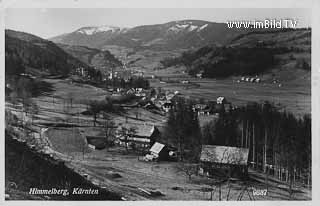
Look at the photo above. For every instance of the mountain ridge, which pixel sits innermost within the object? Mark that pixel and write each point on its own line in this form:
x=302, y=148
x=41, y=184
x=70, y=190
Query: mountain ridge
x=172, y=35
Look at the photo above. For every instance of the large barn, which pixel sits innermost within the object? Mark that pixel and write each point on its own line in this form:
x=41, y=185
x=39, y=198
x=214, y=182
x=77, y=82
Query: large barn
x=223, y=161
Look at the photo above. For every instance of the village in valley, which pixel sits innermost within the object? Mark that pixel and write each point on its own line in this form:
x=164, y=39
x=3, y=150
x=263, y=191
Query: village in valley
x=154, y=133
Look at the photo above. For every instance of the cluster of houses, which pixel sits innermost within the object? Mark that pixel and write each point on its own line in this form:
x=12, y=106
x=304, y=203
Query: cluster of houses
x=106, y=74
x=139, y=92
x=215, y=160
x=82, y=72
x=250, y=79
x=125, y=75
x=147, y=139
x=213, y=107
x=164, y=101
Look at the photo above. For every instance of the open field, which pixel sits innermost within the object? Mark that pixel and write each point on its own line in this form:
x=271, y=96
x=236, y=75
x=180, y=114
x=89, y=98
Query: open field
x=293, y=95
x=67, y=140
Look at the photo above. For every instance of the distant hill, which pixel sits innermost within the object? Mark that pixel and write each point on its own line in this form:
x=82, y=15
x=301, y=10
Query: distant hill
x=251, y=54
x=92, y=37
x=173, y=35
x=26, y=52
x=102, y=60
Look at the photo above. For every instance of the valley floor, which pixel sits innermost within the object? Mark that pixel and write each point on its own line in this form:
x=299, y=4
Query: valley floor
x=292, y=94
x=125, y=173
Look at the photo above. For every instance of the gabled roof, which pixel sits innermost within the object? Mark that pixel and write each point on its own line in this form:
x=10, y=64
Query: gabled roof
x=141, y=130
x=157, y=147
x=224, y=154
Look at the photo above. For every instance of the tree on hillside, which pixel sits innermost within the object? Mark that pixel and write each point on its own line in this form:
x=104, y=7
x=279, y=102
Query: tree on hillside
x=222, y=131
x=109, y=129
x=70, y=96
x=95, y=107
x=189, y=169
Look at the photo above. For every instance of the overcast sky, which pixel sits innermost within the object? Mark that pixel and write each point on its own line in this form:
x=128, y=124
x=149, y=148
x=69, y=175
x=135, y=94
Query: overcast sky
x=51, y=22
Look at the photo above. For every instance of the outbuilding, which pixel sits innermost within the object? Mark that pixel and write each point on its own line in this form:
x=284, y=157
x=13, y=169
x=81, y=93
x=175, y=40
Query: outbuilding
x=159, y=151
x=224, y=161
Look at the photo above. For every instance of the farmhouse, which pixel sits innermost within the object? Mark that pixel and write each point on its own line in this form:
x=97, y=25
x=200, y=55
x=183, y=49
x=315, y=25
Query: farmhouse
x=224, y=161
x=143, y=137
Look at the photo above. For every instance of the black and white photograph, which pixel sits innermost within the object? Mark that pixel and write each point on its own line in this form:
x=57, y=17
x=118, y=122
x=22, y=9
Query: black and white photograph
x=136, y=104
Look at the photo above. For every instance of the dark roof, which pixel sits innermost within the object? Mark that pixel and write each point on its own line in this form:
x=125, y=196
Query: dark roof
x=224, y=155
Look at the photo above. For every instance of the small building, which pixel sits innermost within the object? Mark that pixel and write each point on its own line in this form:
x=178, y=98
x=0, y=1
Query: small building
x=167, y=106
x=131, y=91
x=221, y=100
x=223, y=161
x=159, y=151
x=91, y=146
x=199, y=75
x=96, y=142
x=139, y=89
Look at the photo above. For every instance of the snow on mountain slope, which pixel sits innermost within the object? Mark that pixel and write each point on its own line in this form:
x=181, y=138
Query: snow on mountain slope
x=186, y=26
x=95, y=30
x=203, y=27
x=167, y=36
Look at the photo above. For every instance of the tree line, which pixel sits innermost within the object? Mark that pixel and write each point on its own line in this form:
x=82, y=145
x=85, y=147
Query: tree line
x=132, y=82
x=279, y=143
x=225, y=61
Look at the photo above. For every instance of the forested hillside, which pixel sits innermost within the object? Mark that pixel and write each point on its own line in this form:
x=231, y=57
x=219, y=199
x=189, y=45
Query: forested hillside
x=28, y=52
x=249, y=54
x=102, y=60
